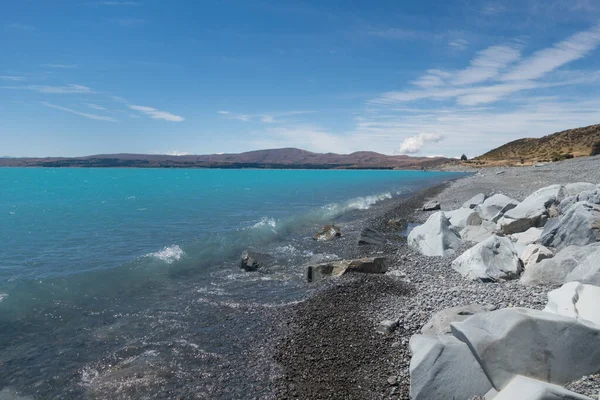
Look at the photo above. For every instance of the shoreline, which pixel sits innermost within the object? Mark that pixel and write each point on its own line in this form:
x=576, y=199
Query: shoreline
x=329, y=346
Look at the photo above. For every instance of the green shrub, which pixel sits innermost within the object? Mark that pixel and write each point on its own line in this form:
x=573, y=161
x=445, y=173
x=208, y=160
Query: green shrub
x=595, y=149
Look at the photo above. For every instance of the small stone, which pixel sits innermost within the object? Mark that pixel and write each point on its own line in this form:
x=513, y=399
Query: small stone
x=393, y=380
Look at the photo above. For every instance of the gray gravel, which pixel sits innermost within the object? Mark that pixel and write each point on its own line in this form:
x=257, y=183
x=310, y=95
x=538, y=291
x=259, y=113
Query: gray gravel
x=361, y=363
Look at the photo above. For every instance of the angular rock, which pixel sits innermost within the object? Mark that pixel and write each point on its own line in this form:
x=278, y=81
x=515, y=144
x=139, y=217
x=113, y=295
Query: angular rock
x=478, y=233
x=458, y=218
x=329, y=232
x=588, y=270
x=436, y=237
x=431, y=206
x=573, y=189
x=370, y=236
x=590, y=196
x=442, y=367
x=523, y=388
x=492, y=260
x=576, y=300
x=534, y=253
x=387, y=326
x=541, y=345
x=531, y=235
x=252, y=260
x=439, y=324
x=494, y=205
x=578, y=226
x=474, y=219
x=368, y=265
x=474, y=201
x=532, y=211
x=555, y=270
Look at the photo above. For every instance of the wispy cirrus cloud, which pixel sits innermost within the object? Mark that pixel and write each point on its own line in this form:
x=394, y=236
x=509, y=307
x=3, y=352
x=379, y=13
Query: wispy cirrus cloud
x=82, y=114
x=67, y=89
x=458, y=44
x=268, y=118
x=96, y=107
x=61, y=66
x=118, y=3
x=12, y=78
x=156, y=114
x=487, y=64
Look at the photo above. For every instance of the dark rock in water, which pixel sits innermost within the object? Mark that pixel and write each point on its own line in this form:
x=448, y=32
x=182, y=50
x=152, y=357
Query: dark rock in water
x=369, y=265
x=251, y=260
x=329, y=232
x=371, y=236
x=432, y=206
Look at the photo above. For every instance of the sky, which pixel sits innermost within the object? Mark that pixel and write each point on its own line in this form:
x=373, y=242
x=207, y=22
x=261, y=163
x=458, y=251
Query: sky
x=422, y=78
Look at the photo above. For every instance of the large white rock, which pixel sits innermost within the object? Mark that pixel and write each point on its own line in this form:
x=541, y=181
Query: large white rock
x=537, y=344
x=590, y=196
x=475, y=201
x=588, y=270
x=494, y=205
x=439, y=324
x=494, y=259
x=436, y=237
x=534, y=253
x=524, y=388
x=442, y=367
x=579, y=225
x=576, y=300
x=555, y=270
x=458, y=218
x=573, y=189
x=532, y=211
x=478, y=233
x=531, y=235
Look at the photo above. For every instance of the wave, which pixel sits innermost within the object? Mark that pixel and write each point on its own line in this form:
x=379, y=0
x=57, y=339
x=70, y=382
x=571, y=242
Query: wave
x=169, y=254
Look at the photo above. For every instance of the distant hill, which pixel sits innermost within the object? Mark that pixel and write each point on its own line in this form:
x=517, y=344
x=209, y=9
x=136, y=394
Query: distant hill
x=273, y=158
x=576, y=142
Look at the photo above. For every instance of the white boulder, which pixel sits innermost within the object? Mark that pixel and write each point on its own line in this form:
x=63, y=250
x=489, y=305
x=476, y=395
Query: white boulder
x=534, y=253
x=439, y=324
x=458, y=218
x=475, y=201
x=554, y=271
x=573, y=189
x=537, y=344
x=436, y=237
x=532, y=211
x=494, y=259
x=478, y=233
x=531, y=235
x=442, y=367
x=579, y=225
x=524, y=388
x=588, y=270
x=577, y=301
x=495, y=204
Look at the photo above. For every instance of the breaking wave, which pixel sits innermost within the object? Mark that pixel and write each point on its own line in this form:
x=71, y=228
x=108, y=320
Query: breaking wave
x=169, y=254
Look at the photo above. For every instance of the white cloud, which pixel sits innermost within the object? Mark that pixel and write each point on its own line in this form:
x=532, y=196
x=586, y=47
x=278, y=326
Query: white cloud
x=119, y=3
x=86, y=115
x=487, y=64
x=458, y=44
x=546, y=60
x=267, y=118
x=68, y=89
x=156, y=114
x=12, y=78
x=61, y=66
x=97, y=107
x=492, y=9
x=223, y=112
x=414, y=144
x=177, y=153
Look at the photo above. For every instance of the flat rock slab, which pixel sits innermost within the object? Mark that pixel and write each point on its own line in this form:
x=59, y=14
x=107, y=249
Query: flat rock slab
x=532, y=211
x=577, y=301
x=523, y=388
x=541, y=345
x=369, y=265
x=442, y=367
x=369, y=236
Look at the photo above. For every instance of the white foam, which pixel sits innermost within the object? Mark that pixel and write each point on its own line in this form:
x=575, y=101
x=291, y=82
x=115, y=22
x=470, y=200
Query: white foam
x=364, y=203
x=264, y=221
x=169, y=254
x=3, y=296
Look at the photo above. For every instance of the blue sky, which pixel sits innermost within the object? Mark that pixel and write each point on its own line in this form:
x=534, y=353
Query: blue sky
x=397, y=77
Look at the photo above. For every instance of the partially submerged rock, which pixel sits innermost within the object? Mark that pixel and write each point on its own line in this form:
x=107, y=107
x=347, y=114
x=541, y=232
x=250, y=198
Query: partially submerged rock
x=492, y=260
x=531, y=212
x=442, y=367
x=474, y=201
x=329, y=232
x=436, y=237
x=432, y=206
x=369, y=236
x=577, y=301
x=579, y=225
x=369, y=265
x=439, y=324
x=541, y=345
x=554, y=271
x=252, y=260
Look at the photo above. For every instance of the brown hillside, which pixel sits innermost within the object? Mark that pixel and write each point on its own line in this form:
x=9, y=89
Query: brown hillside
x=577, y=142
